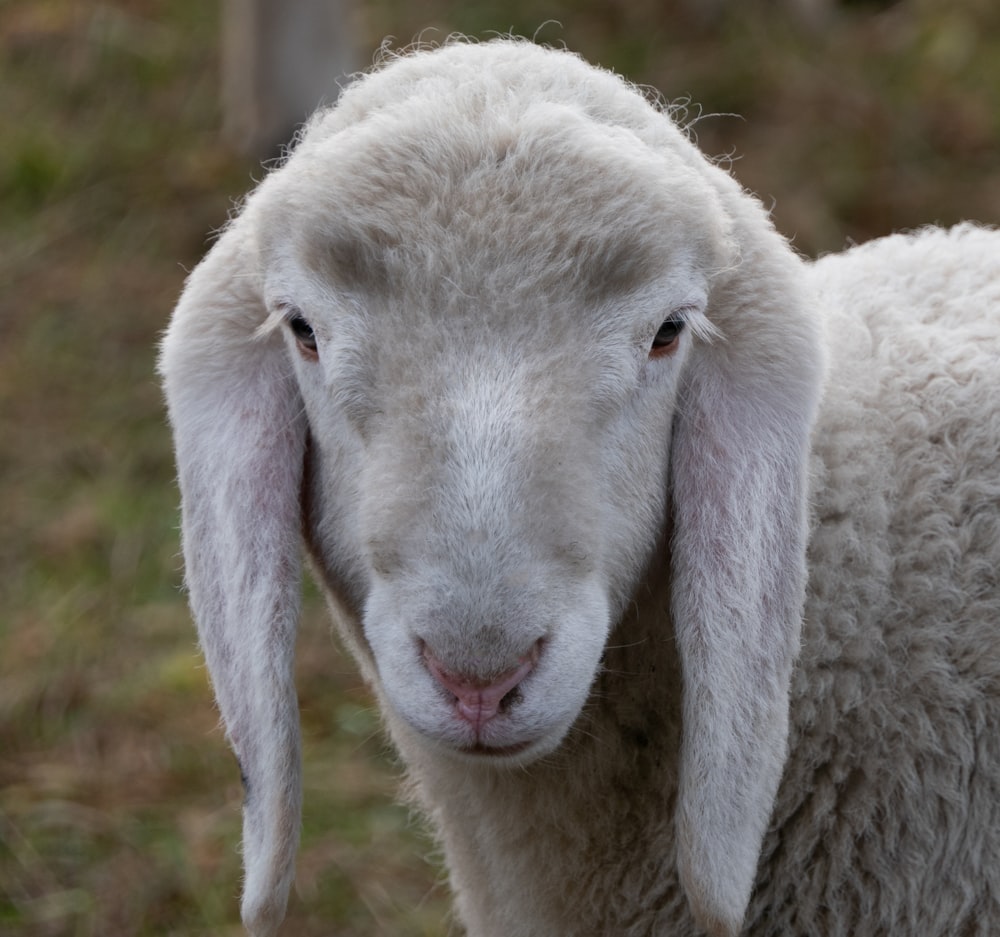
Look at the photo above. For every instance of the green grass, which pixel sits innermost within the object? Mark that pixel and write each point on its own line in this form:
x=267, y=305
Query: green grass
x=119, y=802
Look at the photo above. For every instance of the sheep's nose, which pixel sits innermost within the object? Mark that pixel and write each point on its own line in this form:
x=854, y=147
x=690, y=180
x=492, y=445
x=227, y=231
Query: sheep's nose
x=478, y=699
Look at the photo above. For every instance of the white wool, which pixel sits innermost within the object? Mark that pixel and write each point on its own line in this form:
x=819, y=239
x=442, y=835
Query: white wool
x=555, y=408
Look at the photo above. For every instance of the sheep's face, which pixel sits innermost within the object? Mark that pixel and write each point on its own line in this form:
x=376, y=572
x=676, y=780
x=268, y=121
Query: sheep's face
x=488, y=336
x=463, y=334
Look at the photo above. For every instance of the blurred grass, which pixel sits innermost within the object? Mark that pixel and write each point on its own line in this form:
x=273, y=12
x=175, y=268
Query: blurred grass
x=119, y=803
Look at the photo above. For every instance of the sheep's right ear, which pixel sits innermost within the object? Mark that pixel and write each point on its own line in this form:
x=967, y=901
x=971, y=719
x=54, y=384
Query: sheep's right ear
x=239, y=436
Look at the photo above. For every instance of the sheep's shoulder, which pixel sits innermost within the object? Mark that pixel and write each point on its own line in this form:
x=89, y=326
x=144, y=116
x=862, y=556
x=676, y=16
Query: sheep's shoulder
x=899, y=676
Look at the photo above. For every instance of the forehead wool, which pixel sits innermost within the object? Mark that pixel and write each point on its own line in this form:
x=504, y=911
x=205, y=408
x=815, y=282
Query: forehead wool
x=490, y=204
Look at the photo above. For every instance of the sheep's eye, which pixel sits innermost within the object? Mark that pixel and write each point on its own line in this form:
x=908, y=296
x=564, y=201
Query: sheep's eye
x=305, y=337
x=667, y=338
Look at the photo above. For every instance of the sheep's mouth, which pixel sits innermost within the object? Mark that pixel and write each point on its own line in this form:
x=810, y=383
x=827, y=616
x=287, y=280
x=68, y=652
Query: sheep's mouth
x=480, y=750
x=498, y=751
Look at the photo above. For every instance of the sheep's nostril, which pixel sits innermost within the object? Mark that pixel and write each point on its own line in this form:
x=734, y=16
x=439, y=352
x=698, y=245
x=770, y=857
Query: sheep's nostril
x=478, y=699
x=507, y=701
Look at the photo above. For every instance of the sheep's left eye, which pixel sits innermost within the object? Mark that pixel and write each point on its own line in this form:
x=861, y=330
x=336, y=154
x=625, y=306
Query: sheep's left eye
x=667, y=338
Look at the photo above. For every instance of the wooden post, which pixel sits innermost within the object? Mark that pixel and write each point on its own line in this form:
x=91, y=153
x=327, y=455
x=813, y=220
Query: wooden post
x=280, y=60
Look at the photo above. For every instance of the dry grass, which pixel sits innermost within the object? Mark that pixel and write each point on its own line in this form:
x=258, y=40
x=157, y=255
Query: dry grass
x=119, y=804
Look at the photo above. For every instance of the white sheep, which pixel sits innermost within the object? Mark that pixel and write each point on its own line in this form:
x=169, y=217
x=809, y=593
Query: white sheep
x=566, y=426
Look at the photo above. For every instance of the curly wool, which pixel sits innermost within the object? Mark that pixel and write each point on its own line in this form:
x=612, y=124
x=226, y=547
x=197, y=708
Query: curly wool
x=887, y=817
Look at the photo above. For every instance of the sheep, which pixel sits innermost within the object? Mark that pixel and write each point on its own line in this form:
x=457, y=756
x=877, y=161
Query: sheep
x=670, y=556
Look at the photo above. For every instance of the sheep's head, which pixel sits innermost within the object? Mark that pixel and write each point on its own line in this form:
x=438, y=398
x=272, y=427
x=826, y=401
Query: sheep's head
x=454, y=334
x=488, y=348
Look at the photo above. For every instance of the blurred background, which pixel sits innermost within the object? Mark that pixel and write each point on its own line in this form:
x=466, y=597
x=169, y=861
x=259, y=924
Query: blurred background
x=128, y=130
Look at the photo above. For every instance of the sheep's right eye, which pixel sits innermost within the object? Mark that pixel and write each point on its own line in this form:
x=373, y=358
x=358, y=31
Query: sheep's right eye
x=305, y=337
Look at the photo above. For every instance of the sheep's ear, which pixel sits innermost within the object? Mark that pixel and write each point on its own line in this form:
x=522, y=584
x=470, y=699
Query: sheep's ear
x=239, y=438
x=738, y=476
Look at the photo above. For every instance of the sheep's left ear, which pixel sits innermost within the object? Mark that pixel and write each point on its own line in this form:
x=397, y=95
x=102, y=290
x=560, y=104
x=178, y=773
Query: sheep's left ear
x=739, y=486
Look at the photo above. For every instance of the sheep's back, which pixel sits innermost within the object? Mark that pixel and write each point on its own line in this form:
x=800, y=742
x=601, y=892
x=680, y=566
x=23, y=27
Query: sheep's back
x=895, y=762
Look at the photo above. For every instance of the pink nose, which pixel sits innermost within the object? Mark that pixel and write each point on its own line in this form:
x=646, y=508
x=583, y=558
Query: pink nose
x=478, y=700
